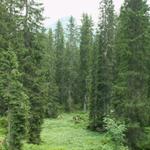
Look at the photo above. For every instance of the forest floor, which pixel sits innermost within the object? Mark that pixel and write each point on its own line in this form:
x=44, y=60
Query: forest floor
x=67, y=133
x=64, y=133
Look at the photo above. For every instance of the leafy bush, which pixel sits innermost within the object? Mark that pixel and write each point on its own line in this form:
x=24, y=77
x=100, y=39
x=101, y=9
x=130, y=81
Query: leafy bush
x=116, y=130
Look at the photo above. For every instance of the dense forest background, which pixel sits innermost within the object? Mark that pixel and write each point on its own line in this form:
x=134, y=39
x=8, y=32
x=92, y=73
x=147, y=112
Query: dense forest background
x=104, y=72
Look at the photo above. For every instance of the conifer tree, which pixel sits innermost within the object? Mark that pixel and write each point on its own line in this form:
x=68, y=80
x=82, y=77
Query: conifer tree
x=131, y=84
x=3, y=44
x=71, y=64
x=32, y=79
x=86, y=43
x=59, y=50
x=49, y=70
x=103, y=65
x=93, y=81
x=14, y=99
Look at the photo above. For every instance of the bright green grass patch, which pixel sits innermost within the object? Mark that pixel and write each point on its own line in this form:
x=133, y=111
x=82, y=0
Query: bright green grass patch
x=65, y=134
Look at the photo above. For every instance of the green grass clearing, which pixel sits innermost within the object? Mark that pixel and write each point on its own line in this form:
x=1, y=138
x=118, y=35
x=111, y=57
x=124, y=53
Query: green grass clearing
x=65, y=134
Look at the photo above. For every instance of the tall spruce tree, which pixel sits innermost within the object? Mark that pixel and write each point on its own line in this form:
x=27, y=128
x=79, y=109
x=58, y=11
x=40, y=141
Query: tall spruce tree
x=16, y=98
x=15, y=101
x=104, y=65
x=49, y=70
x=71, y=64
x=32, y=27
x=131, y=84
x=3, y=44
x=86, y=43
x=59, y=50
x=93, y=82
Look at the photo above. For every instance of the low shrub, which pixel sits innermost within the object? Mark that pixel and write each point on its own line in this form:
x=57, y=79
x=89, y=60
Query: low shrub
x=116, y=131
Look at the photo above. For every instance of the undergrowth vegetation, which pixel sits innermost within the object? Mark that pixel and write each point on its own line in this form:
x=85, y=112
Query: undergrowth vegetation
x=68, y=132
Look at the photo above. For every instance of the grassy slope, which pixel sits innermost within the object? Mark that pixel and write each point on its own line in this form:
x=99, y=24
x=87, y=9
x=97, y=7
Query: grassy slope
x=64, y=134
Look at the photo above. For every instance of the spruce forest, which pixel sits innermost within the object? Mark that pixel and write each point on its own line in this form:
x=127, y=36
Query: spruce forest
x=77, y=86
